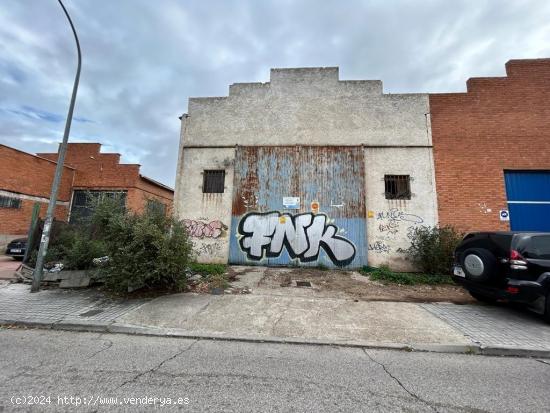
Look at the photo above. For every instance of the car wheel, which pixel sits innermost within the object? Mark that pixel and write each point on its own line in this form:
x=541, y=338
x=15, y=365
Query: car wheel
x=479, y=264
x=483, y=298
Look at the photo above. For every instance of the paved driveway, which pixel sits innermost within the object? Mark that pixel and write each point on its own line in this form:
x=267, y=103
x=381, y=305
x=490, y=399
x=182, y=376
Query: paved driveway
x=497, y=325
x=7, y=267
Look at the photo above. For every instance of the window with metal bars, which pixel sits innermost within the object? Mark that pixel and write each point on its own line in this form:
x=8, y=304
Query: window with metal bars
x=213, y=182
x=397, y=186
x=9, y=202
x=154, y=206
x=85, y=202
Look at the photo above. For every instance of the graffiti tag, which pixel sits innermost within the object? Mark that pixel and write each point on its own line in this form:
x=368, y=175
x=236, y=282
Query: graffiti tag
x=200, y=229
x=209, y=249
x=395, y=214
x=303, y=235
x=392, y=227
x=380, y=247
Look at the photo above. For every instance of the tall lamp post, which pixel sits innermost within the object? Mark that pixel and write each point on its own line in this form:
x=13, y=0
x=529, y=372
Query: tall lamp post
x=37, y=275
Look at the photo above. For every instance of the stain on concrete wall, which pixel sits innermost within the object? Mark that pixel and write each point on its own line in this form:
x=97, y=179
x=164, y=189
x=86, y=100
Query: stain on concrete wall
x=390, y=222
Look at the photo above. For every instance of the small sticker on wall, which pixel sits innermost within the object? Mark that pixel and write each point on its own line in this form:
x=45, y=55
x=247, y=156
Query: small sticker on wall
x=314, y=207
x=291, y=202
x=282, y=219
x=370, y=214
x=504, y=215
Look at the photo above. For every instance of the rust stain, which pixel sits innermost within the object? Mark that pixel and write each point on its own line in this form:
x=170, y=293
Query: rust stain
x=326, y=174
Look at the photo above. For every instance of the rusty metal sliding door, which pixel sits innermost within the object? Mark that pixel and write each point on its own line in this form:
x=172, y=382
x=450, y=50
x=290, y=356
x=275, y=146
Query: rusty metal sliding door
x=299, y=205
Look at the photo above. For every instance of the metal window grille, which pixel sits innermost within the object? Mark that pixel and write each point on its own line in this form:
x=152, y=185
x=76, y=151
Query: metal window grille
x=213, y=182
x=9, y=202
x=84, y=202
x=397, y=186
x=156, y=206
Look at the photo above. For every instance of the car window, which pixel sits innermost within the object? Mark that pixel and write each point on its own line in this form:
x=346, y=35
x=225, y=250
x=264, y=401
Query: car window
x=539, y=247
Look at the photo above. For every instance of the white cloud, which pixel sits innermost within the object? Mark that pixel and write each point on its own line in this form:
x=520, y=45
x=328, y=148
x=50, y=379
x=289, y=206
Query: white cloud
x=143, y=59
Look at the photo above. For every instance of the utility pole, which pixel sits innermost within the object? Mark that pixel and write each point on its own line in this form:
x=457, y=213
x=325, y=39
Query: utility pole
x=37, y=275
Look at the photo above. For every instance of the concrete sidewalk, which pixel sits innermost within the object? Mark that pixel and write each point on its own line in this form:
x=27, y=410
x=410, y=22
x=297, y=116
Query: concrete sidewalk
x=290, y=319
x=7, y=267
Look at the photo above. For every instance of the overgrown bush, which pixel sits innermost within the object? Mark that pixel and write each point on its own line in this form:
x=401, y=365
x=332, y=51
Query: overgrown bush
x=432, y=248
x=81, y=252
x=148, y=250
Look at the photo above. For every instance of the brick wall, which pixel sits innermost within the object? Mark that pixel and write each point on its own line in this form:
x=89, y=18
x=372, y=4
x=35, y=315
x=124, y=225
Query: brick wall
x=28, y=174
x=17, y=221
x=500, y=123
x=103, y=171
x=96, y=169
x=29, y=177
x=137, y=200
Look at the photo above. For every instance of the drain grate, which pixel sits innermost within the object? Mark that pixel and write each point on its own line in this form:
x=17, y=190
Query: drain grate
x=303, y=284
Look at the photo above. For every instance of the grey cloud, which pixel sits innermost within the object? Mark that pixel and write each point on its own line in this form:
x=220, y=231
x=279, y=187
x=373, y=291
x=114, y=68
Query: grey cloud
x=143, y=59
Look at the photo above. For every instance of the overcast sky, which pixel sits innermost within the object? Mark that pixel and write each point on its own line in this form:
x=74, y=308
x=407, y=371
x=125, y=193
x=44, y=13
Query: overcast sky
x=142, y=60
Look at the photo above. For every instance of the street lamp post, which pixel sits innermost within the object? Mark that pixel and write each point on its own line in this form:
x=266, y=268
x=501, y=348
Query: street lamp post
x=37, y=275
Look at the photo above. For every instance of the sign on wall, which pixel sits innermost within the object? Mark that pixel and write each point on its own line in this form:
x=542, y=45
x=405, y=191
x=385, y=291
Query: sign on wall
x=291, y=202
x=504, y=215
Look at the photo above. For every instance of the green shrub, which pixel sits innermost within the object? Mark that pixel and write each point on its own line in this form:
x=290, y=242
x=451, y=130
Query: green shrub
x=149, y=250
x=385, y=275
x=80, y=253
x=207, y=269
x=432, y=248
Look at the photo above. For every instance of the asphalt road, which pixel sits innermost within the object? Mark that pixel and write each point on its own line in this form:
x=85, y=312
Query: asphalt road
x=236, y=376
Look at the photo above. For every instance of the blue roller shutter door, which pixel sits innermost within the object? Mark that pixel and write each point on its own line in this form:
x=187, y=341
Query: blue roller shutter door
x=528, y=194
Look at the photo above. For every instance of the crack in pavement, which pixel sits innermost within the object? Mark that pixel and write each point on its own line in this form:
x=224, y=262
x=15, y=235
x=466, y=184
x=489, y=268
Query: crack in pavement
x=399, y=381
x=105, y=347
x=158, y=366
x=547, y=362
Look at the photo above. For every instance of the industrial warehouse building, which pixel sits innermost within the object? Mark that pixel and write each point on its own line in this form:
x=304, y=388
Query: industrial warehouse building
x=26, y=179
x=492, y=150
x=308, y=169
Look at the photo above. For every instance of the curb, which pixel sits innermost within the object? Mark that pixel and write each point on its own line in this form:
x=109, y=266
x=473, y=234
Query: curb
x=473, y=349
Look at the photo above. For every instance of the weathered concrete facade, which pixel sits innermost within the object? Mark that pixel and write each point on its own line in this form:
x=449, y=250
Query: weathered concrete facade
x=307, y=109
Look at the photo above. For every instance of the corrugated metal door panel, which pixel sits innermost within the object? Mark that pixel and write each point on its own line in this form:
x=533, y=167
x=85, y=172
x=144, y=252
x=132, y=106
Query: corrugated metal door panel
x=528, y=194
x=333, y=178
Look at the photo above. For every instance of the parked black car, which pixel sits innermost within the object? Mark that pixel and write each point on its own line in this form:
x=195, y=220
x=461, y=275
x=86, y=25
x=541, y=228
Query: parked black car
x=506, y=266
x=17, y=248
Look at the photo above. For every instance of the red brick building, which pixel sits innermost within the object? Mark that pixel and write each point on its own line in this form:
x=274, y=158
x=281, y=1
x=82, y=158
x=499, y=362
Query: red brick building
x=492, y=150
x=26, y=179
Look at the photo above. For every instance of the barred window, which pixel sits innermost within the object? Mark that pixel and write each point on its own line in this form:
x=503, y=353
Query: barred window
x=9, y=202
x=85, y=202
x=213, y=182
x=397, y=186
x=156, y=206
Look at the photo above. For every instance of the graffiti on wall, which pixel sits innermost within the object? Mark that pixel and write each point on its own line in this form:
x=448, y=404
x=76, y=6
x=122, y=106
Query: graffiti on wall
x=396, y=215
x=394, y=226
x=380, y=247
x=202, y=229
x=303, y=236
x=208, y=250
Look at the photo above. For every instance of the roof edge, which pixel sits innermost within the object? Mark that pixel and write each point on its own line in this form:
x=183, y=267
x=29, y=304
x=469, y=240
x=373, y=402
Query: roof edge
x=36, y=156
x=157, y=183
